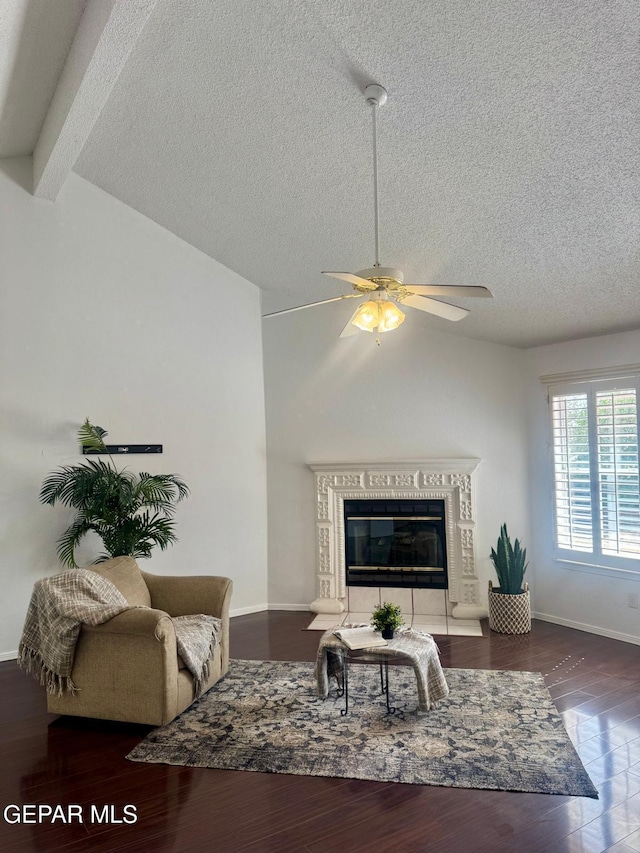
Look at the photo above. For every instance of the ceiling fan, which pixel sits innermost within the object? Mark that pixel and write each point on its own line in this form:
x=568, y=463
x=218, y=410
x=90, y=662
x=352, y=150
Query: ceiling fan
x=385, y=285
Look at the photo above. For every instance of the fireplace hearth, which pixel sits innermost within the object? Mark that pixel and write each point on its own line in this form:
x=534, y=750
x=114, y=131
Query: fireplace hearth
x=342, y=492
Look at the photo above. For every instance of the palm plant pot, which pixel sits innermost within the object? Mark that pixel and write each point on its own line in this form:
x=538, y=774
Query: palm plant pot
x=509, y=614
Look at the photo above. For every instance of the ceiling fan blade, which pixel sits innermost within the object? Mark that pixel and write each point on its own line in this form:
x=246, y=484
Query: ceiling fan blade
x=434, y=306
x=350, y=329
x=312, y=304
x=452, y=290
x=351, y=278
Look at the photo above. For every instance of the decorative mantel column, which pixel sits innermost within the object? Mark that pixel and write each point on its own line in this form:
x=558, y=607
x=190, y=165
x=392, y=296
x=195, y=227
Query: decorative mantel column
x=449, y=480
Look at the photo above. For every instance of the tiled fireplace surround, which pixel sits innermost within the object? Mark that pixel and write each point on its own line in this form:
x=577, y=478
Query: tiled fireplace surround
x=450, y=480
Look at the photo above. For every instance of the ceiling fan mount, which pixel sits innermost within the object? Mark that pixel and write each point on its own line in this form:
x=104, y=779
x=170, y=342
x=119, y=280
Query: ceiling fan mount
x=384, y=282
x=374, y=278
x=375, y=95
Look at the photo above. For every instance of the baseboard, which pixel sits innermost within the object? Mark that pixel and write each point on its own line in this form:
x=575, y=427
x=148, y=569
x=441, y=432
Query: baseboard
x=260, y=608
x=589, y=629
x=8, y=656
x=244, y=611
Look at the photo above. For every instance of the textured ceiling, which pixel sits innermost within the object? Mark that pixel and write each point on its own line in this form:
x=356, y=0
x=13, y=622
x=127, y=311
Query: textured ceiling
x=35, y=36
x=508, y=151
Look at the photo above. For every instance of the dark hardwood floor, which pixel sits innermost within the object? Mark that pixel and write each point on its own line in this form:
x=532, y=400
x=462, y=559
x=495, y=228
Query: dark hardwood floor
x=63, y=761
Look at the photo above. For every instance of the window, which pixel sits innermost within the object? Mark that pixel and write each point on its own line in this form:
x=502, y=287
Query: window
x=595, y=456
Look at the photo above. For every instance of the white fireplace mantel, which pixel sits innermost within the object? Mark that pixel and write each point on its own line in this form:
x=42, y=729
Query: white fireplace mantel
x=449, y=480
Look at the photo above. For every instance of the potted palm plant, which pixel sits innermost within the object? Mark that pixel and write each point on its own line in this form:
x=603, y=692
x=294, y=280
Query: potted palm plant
x=387, y=618
x=509, y=603
x=131, y=513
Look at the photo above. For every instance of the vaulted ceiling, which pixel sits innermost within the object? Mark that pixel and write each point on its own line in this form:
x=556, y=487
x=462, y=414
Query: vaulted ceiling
x=508, y=150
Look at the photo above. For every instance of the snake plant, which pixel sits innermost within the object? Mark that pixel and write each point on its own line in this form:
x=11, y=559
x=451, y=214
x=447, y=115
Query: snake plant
x=510, y=562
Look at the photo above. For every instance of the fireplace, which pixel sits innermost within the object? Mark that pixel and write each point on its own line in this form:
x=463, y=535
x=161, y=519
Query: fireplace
x=395, y=543
x=450, y=483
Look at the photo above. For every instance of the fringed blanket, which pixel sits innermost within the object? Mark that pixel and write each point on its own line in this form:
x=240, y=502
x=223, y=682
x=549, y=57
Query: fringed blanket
x=61, y=604
x=196, y=638
x=417, y=647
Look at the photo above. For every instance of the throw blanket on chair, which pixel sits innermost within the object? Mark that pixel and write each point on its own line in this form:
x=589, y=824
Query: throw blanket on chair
x=61, y=604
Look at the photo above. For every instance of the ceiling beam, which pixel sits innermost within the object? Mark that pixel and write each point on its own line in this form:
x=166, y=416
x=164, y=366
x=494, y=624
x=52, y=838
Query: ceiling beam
x=107, y=32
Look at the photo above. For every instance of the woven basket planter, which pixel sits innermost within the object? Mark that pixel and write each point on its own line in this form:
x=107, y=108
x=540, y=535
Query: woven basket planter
x=509, y=614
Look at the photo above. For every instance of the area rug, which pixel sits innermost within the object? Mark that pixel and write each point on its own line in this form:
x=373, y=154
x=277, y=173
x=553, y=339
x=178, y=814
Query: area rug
x=497, y=730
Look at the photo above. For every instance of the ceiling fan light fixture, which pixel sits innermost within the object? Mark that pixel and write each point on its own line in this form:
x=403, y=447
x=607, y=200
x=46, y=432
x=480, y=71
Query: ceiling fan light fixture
x=389, y=317
x=367, y=316
x=379, y=313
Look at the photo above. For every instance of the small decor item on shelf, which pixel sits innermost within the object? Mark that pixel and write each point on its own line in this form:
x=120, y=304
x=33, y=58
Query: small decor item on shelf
x=386, y=618
x=510, y=603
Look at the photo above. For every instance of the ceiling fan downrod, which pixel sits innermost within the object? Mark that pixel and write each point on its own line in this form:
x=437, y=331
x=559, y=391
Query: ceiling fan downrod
x=376, y=96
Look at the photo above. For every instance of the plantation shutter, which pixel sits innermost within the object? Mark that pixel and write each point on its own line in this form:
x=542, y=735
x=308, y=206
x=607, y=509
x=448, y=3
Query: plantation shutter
x=572, y=471
x=617, y=460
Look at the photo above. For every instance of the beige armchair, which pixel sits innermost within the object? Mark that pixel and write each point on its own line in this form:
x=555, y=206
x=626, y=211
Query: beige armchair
x=128, y=668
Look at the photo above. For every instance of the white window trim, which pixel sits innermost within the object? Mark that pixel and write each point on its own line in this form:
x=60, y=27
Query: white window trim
x=598, y=569
x=612, y=373
x=627, y=568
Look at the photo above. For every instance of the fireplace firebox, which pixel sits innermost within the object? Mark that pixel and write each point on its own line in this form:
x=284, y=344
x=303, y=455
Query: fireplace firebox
x=395, y=543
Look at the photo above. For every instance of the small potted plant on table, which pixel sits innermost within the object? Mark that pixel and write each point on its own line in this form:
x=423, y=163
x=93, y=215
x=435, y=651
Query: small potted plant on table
x=387, y=618
x=509, y=604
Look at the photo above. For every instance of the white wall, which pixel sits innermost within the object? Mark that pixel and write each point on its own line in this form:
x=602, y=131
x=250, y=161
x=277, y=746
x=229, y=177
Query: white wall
x=581, y=599
x=107, y=315
x=103, y=313
x=423, y=393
